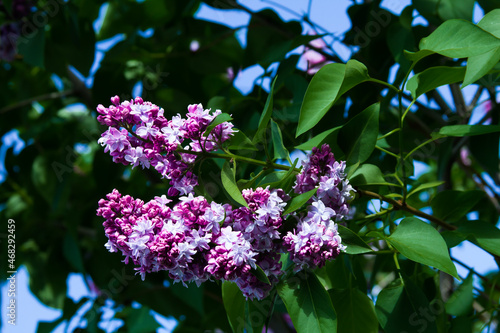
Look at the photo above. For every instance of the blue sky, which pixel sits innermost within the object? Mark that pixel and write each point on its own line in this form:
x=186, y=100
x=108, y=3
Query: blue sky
x=30, y=311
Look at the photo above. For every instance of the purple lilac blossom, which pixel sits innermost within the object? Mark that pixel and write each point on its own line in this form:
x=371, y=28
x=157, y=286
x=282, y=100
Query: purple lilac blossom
x=320, y=170
x=139, y=135
x=194, y=240
x=316, y=239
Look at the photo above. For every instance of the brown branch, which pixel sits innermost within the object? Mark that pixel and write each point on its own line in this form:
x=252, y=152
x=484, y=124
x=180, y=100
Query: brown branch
x=458, y=99
x=399, y=205
x=44, y=97
x=482, y=277
x=441, y=102
x=475, y=99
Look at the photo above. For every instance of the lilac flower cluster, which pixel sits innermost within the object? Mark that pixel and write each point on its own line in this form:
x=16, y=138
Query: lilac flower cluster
x=316, y=239
x=139, y=134
x=196, y=241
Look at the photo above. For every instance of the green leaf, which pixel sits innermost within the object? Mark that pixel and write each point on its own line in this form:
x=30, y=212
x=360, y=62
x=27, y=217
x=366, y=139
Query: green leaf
x=399, y=309
x=298, y=201
x=449, y=9
x=221, y=118
x=326, y=87
x=48, y=326
x=461, y=324
x=420, y=242
x=72, y=253
x=33, y=48
x=468, y=130
x=480, y=65
x=491, y=23
x=355, y=311
x=239, y=141
x=279, y=149
x=483, y=234
x=308, y=304
x=434, y=77
x=266, y=115
x=453, y=205
x=229, y=183
x=425, y=186
x=318, y=140
x=7, y=5
x=358, y=137
x=234, y=303
x=141, y=321
x=368, y=174
x=43, y=177
x=216, y=102
x=260, y=275
x=279, y=179
x=459, y=39
x=417, y=56
x=354, y=243
x=460, y=302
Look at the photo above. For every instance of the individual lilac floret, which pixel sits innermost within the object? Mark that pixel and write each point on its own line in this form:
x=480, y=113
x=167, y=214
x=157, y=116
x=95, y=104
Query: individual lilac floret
x=114, y=140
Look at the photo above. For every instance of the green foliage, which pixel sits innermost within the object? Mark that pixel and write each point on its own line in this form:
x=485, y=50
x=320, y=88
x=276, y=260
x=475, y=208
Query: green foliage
x=420, y=242
x=308, y=304
x=329, y=84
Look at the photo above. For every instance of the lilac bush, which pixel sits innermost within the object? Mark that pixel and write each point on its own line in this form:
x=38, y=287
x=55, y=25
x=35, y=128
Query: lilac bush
x=197, y=240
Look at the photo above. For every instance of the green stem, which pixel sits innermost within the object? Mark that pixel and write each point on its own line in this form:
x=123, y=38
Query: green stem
x=401, y=136
x=418, y=147
x=388, y=85
x=380, y=252
x=230, y=156
x=390, y=133
x=408, y=109
x=401, y=140
x=387, y=152
x=403, y=206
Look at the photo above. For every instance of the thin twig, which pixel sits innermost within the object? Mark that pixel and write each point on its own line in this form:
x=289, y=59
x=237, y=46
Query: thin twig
x=399, y=205
x=441, y=102
x=458, y=99
x=44, y=97
x=475, y=99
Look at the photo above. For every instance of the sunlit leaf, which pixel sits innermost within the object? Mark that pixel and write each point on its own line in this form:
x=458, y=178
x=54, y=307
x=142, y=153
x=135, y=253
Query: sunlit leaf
x=420, y=242
x=358, y=137
x=229, y=183
x=434, y=77
x=354, y=243
x=327, y=85
x=298, y=201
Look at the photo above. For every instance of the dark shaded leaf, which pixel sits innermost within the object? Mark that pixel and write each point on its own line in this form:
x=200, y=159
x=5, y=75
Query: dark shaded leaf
x=308, y=304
